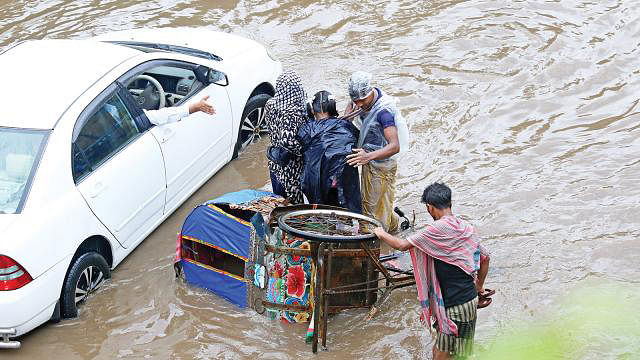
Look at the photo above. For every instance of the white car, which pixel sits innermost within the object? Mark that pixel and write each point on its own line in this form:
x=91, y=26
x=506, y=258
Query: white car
x=84, y=175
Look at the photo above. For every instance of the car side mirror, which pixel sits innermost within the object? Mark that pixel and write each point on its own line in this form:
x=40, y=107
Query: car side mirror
x=202, y=74
x=218, y=78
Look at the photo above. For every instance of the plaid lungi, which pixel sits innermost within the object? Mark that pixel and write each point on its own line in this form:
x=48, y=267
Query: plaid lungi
x=464, y=315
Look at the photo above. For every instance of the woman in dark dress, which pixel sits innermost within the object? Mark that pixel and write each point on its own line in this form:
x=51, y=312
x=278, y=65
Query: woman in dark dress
x=285, y=112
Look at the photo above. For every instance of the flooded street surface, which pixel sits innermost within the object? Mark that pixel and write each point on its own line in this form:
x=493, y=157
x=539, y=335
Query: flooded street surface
x=529, y=110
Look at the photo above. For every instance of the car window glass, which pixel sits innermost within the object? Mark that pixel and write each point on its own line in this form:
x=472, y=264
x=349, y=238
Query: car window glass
x=106, y=131
x=19, y=153
x=178, y=84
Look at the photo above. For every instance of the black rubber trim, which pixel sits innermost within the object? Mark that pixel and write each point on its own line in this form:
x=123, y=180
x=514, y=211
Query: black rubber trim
x=170, y=48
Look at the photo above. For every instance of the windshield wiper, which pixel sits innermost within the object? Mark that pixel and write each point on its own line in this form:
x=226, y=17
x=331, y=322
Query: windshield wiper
x=171, y=48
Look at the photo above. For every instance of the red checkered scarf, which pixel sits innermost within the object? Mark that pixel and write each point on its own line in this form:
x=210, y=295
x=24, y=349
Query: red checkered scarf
x=453, y=241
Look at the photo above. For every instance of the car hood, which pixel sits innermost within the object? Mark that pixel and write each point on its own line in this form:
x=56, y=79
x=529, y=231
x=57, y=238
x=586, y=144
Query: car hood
x=224, y=45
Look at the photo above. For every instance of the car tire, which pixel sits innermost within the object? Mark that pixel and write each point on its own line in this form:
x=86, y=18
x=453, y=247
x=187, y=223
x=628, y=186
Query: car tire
x=87, y=274
x=252, y=124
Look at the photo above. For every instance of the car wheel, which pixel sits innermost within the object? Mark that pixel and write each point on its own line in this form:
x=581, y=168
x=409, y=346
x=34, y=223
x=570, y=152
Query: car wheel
x=86, y=275
x=252, y=124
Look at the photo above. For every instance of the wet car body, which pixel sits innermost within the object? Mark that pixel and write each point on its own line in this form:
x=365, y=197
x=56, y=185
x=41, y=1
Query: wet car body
x=98, y=177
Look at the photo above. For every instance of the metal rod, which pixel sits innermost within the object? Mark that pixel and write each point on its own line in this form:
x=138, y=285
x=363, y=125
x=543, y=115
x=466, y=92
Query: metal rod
x=376, y=306
x=287, y=251
x=278, y=306
x=307, y=308
x=355, y=253
x=375, y=260
x=388, y=257
x=356, y=284
x=370, y=280
x=393, y=285
x=316, y=295
x=321, y=273
x=325, y=299
x=304, y=252
x=405, y=272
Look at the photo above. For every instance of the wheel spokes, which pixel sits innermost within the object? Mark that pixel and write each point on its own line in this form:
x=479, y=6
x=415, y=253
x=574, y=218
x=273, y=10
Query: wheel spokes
x=90, y=279
x=262, y=124
x=89, y=276
x=253, y=126
x=248, y=141
x=248, y=125
x=98, y=281
x=260, y=118
x=325, y=225
x=80, y=294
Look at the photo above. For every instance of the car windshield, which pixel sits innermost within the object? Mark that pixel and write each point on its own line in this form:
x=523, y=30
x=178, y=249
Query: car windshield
x=19, y=153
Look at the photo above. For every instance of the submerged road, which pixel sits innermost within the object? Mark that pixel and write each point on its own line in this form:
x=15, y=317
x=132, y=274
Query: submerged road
x=529, y=110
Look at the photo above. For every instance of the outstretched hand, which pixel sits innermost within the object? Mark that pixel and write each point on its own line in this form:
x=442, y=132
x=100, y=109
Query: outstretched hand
x=351, y=107
x=359, y=157
x=203, y=106
x=379, y=232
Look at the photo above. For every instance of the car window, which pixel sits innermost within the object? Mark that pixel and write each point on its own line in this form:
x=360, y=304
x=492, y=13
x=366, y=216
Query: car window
x=178, y=81
x=106, y=131
x=20, y=151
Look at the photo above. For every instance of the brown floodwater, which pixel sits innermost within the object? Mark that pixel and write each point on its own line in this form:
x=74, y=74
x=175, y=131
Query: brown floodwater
x=529, y=110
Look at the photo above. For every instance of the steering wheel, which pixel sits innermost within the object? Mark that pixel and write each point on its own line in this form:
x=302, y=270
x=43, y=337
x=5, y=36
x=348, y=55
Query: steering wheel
x=149, y=98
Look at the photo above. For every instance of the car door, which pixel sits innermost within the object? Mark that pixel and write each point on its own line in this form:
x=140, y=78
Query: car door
x=118, y=167
x=199, y=144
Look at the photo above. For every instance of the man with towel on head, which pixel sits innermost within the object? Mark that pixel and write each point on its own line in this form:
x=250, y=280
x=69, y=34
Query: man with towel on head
x=383, y=134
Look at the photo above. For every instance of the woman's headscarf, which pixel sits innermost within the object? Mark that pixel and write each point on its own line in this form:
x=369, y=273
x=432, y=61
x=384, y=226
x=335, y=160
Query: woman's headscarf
x=289, y=97
x=286, y=111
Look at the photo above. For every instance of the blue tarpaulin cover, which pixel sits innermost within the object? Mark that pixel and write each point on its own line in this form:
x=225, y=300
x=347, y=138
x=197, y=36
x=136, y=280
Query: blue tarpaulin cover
x=214, y=227
x=229, y=288
x=240, y=197
x=211, y=225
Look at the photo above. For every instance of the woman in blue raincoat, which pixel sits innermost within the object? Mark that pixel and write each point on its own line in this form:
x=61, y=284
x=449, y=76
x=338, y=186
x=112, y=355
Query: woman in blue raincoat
x=326, y=141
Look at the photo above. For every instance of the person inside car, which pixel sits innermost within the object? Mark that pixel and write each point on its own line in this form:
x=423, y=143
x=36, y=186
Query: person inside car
x=169, y=115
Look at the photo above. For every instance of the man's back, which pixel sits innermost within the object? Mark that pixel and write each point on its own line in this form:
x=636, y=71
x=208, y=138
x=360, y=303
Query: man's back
x=457, y=286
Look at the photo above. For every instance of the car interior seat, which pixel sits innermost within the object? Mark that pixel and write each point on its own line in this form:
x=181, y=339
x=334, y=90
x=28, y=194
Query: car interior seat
x=18, y=166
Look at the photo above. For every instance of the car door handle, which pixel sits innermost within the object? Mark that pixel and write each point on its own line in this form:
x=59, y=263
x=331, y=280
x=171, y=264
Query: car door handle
x=97, y=189
x=167, y=134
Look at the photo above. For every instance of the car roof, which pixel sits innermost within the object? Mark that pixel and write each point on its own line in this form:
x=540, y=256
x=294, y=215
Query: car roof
x=42, y=78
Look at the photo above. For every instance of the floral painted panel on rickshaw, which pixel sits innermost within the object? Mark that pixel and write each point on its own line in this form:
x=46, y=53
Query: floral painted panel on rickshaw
x=289, y=279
